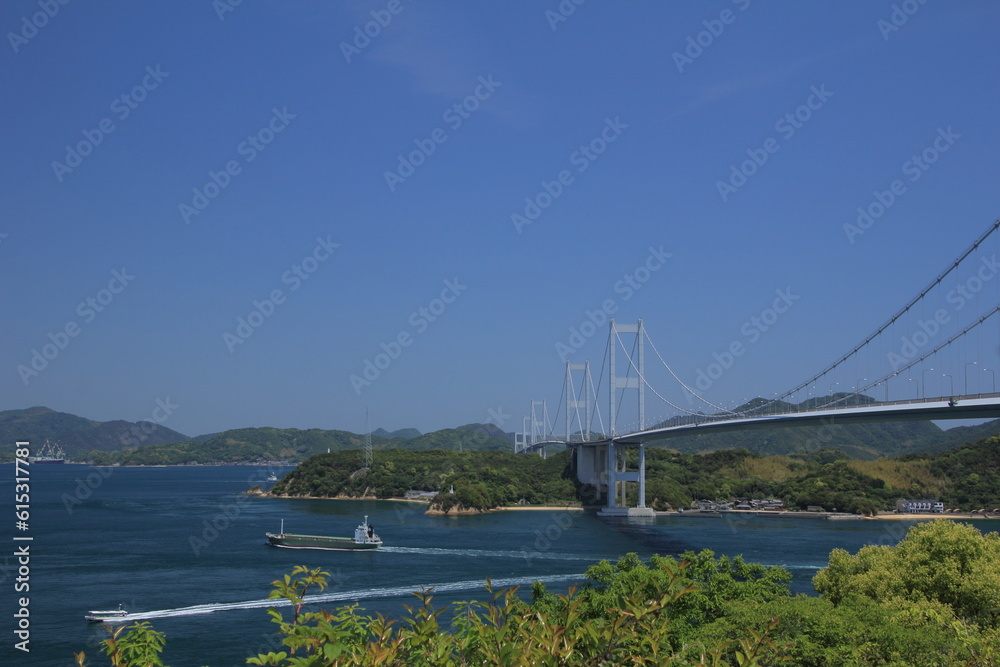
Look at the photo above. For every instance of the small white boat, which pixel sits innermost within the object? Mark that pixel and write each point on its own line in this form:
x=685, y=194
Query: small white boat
x=107, y=615
x=272, y=477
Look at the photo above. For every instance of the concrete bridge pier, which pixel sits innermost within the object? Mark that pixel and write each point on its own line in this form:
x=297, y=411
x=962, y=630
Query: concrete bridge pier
x=603, y=464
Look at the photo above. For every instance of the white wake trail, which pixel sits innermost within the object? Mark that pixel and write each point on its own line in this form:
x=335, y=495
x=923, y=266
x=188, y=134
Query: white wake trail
x=344, y=596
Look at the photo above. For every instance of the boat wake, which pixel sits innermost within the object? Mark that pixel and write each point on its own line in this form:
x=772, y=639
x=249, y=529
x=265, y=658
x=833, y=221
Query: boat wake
x=346, y=596
x=530, y=555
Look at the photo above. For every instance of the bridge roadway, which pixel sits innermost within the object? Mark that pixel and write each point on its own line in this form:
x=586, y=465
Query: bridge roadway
x=599, y=462
x=977, y=406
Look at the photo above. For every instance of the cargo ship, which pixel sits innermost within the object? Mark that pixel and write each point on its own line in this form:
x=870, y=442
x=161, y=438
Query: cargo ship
x=48, y=453
x=364, y=538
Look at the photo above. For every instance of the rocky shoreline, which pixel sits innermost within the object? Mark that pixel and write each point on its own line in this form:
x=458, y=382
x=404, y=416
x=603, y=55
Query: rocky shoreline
x=433, y=510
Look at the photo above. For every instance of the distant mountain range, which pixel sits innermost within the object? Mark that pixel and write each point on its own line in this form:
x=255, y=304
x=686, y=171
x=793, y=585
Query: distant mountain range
x=268, y=445
x=490, y=430
x=406, y=433
x=77, y=435
x=146, y=443
x=151, y=444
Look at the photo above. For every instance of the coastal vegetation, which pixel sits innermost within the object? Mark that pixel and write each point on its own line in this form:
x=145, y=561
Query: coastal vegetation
x=966, y=478
x=481, y=480
x=930, y=600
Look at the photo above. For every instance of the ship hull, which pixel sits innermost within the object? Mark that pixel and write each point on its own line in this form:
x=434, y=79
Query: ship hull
x=293, y=541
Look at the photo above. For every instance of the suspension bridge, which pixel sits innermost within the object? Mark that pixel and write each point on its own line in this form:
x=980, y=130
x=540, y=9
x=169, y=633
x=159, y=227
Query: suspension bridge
x=934, y=359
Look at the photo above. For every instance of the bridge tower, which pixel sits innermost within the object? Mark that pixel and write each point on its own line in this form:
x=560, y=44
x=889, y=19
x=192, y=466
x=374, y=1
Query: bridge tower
x=521, y=439
x=627, y=382
x=616, y=472
x=573, y=402
x=539, y=426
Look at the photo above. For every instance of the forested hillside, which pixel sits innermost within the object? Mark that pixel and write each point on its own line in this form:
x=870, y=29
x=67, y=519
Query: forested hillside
x=78, y=436
x=966, y=478
x=481, y=480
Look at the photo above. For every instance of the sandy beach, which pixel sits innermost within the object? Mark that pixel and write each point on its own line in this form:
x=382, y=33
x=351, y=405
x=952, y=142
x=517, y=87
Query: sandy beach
x=927, y=517
x=546, y=508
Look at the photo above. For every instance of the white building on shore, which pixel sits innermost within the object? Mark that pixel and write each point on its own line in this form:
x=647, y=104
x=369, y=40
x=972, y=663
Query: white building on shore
x=921, y=506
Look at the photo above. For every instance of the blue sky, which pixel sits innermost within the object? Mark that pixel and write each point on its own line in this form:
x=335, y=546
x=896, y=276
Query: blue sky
x=257, y=153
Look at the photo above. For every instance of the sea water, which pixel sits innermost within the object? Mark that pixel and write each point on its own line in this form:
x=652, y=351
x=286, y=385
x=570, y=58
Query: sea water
x=184, y=548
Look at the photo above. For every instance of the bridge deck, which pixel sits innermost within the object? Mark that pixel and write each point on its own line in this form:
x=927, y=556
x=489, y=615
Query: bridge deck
x=978, y=406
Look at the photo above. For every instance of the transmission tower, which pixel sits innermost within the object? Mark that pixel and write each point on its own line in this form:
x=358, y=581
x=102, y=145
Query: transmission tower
x=369, y=458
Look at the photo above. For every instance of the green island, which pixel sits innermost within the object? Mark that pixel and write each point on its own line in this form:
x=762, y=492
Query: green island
x=966, y=478
x=932, y=599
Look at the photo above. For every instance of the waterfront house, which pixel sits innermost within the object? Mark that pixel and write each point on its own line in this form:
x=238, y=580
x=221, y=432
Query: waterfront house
x=919, y=506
